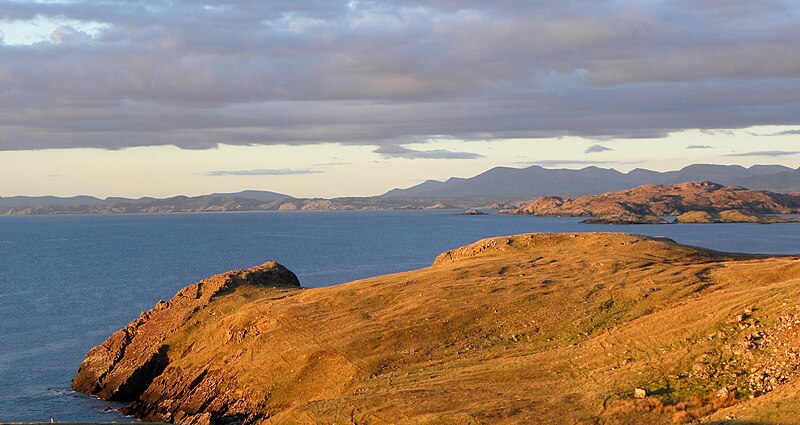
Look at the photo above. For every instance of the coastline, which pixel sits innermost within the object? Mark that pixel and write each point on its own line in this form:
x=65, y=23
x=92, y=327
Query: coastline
x=343, y=340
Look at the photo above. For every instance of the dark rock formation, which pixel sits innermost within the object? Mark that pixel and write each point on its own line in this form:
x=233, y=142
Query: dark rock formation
x=626, y=219
x=124, y=365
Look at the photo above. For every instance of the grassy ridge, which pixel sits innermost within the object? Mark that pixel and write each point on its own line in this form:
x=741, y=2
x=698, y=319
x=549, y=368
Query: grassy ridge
x=530, y=328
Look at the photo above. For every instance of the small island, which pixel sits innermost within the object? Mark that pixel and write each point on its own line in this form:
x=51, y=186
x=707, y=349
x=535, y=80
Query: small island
x=472, y=212
x=690, y=202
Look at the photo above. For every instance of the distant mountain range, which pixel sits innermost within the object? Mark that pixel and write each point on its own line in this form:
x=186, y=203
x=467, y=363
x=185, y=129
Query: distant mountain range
x=498, y=188
x=538, y=181
x=7, y=202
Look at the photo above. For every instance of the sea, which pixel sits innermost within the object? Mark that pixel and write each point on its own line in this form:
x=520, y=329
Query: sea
x=68, y=282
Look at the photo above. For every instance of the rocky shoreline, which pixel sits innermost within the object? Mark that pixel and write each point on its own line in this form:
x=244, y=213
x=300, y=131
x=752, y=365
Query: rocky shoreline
x=694, y=217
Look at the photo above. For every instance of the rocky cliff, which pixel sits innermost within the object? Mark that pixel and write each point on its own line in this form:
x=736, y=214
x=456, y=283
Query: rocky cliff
x=581, y=328
x=657, y=200
x=126, y=364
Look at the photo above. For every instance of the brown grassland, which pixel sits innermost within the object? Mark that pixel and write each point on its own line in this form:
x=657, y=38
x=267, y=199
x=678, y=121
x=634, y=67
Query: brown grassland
x=532, y=328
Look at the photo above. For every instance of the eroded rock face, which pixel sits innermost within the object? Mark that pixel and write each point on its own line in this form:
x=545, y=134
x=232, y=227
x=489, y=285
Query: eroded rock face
x=124, y=366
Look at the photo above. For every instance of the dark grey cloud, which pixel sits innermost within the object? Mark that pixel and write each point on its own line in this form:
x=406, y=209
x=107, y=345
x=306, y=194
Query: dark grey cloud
x=765, y=153
x=597, y=149
x=197, y=73
x=261, y=172
x=699, y=147
x=395, y=151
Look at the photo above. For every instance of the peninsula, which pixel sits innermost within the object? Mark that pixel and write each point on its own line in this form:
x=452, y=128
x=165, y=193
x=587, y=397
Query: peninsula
x=534, y=328
x=645, y=204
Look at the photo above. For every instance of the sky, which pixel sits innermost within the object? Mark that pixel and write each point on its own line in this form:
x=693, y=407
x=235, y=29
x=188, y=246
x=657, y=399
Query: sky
x=350, y=98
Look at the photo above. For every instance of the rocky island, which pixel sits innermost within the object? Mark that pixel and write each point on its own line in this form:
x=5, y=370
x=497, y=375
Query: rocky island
x=472, y=212
x=535, y=328
x=702, y=201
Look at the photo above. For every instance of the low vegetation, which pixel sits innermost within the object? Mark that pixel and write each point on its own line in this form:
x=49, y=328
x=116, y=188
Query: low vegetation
x=525, y=329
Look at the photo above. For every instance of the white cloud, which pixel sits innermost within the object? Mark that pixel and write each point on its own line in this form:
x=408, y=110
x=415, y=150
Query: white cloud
x=394, y=151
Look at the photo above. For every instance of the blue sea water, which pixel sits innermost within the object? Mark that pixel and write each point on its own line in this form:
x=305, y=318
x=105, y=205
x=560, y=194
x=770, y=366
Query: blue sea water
x=68, y=282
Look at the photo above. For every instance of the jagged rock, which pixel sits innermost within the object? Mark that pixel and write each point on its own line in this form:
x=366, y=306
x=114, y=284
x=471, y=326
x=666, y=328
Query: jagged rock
x=123, y=366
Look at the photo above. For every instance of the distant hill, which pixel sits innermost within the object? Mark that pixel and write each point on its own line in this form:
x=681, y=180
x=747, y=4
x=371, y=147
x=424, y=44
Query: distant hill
x=660, y=200
x=41, y=201
x=246, y=199
x=256, y=195
x=497, y=188
x=784, y=182
x=537, y=181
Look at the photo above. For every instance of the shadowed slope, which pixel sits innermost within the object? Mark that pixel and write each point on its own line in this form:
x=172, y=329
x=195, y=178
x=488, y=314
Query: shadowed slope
x=530, y=328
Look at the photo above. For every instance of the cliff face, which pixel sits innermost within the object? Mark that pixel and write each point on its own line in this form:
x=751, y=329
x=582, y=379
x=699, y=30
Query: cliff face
x=126, y=364
x=657, y=200
x=522, y=329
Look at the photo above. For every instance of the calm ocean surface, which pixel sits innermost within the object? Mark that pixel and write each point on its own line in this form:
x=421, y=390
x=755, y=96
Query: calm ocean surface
x=68, y=282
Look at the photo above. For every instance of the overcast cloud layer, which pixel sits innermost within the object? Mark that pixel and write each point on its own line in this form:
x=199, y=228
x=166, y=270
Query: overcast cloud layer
x=195, y=73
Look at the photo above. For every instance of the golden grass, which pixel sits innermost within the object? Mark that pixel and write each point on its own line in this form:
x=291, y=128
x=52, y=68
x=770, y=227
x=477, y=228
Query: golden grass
x=524, y=329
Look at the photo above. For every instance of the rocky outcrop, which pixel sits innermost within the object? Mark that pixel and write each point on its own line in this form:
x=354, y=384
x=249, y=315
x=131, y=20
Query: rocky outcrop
x=534, y=328
x=626, y=219
x=472, y=212
x=657, y=200
x=731, y=216
x=126, y=364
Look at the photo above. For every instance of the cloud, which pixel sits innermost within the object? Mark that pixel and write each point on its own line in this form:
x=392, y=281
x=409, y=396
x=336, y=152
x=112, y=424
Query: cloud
x=195, y=74
x=779, y=133
x=765, y=153
x=699, y=147
x=717, y=131
x=261, y=172
x=401, y=152
x=597, y=149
